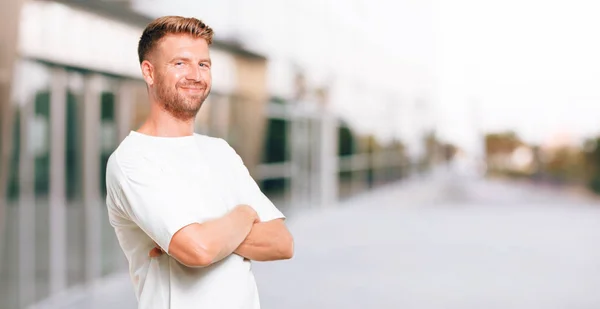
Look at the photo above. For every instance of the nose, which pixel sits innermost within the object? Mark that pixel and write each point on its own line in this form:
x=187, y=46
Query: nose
x=194, y=73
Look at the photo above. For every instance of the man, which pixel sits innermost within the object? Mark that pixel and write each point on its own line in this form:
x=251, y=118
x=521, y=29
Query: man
x=188, y=194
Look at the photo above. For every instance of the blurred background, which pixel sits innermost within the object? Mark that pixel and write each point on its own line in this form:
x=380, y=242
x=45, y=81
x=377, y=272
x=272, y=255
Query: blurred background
x=428, y=154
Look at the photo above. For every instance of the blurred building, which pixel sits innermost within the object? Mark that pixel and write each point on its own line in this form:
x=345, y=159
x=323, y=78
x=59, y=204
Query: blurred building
x=71, y=90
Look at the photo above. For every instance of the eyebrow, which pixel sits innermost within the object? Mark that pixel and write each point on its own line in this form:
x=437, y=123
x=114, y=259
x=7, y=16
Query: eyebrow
x=190, y=60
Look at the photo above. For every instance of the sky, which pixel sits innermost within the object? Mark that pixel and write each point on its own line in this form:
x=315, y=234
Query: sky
x=530, y=66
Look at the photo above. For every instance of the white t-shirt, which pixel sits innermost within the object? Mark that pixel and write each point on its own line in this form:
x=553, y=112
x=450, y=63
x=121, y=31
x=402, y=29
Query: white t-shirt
x=158, y=185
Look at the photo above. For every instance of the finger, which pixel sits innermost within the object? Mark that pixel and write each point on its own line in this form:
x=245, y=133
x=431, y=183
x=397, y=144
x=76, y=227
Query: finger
x=155, y=252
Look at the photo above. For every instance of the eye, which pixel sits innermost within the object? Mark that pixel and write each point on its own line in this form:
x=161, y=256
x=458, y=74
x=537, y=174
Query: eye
x=178, y=63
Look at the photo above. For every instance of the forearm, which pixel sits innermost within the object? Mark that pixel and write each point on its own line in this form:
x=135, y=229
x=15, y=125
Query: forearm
x=267, y=241
x=225, y=234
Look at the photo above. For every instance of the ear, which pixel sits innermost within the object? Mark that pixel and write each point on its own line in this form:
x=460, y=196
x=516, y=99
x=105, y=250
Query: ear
x=148, y=72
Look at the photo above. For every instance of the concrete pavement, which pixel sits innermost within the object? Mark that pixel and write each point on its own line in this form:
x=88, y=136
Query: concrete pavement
x=454, y=243
x=438, y=242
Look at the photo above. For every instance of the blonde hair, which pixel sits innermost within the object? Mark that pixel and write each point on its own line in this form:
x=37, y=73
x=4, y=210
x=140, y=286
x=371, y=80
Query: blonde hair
x=165, y=25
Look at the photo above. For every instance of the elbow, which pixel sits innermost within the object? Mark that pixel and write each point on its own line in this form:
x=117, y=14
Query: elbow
x=203, y=260
x=287, y=248
x=200, y=257
x=287, y=253
x=193, y=251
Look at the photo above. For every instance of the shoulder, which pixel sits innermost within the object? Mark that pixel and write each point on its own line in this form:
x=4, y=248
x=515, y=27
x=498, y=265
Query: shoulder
x=217, y=145
x=127, y=164
x=223, y=153
x=114, y=180
x=124, y=160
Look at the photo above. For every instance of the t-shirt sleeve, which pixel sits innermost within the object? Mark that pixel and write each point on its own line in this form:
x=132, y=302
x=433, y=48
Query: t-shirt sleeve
x=155, y=203
x=248, y=191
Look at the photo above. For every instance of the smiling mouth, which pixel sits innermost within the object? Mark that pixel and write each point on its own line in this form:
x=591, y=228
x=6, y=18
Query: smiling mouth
x=192, y=89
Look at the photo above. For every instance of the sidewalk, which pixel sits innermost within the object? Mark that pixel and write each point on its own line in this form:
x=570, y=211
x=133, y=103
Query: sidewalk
x=116, y=291
x=578, y=192
x=432, y=242
x=391, y=250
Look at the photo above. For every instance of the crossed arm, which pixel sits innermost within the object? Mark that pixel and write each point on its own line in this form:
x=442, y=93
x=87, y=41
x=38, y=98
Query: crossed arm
x=239, y=232
x=267, y=241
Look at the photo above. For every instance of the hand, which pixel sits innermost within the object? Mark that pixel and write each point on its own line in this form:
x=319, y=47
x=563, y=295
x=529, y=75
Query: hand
x=156, y=251
x=249, y=211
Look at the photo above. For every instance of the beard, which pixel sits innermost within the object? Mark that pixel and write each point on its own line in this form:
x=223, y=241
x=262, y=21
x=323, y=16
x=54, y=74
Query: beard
x=180, y=106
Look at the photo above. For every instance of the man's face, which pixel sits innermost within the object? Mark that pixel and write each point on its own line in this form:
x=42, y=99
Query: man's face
x=182, y=77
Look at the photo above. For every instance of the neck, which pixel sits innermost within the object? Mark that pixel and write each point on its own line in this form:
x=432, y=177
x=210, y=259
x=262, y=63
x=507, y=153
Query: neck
x=161, y=123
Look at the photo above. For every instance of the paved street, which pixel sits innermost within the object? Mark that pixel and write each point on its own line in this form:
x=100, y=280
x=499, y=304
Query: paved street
x=433, y=243
x=443, y=244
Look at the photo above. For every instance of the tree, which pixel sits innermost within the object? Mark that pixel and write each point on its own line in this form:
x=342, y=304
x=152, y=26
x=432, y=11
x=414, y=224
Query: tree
x=592, y=163
x=502, y=143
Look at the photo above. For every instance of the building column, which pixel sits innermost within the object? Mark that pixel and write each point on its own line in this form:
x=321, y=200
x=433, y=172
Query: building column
x=91, y=176
x=124, y=109
x=9, y=14
x=300, y=158
x=327, y=157
x=26, y=212
x=315, y=164
x=57, y=199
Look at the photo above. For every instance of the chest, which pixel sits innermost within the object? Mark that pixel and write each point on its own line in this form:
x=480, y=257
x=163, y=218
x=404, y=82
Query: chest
x=203, y=178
